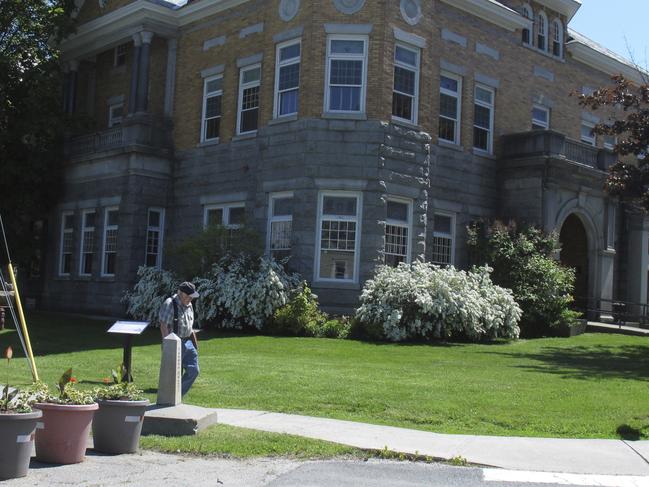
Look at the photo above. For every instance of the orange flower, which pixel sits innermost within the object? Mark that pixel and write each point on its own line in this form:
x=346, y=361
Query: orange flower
x=106, y=380
x=8, y=353
x=73, y=380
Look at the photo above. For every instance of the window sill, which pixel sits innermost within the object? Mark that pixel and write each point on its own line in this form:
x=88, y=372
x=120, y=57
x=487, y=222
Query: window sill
x=405, y=123
x=344, y=115
x=547, y=54
x=450, y=145
x=335, y=285
x=284, y=119
x=483, y=153
x=609, y=251
x=246, y=136
x=208, y=143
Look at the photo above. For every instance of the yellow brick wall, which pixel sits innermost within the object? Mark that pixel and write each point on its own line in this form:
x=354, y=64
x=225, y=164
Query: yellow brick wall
x=90, y=9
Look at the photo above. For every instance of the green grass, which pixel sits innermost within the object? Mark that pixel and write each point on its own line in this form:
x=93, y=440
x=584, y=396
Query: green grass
x=591, y=386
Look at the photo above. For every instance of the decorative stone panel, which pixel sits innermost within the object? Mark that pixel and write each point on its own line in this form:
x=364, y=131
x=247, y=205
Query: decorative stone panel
x=348, y=6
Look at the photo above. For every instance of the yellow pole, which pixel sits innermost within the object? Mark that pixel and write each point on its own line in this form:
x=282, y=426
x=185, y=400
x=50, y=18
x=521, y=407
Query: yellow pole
x=23, y=324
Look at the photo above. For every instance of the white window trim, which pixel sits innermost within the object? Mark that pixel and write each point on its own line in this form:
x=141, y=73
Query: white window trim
x=84, y=229
x=115, y=55
x=610, y=226
x=243, y=86
x=590, y=140
x=557, y=36
x=528, y=13
x=417, y=69
x=545, y=125
x=399, y=223
x=160, y=230
x=280, y=64
x=63, y=232
x=226, y=207
x=542, y=22
x=205, y=96
x=107, y=227
x=357, y=242
x=492, y=109
x=271, y=218
x=608, y=145
x=335, y=37
x=452, y=216
x=112, y=121
x=458, y=102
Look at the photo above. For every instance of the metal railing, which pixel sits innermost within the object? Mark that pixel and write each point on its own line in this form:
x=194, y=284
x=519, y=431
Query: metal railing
x=619, y=312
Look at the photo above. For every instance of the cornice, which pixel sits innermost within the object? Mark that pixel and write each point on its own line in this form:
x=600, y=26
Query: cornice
x=565, y=7
x=590, y=56
x=491, y=11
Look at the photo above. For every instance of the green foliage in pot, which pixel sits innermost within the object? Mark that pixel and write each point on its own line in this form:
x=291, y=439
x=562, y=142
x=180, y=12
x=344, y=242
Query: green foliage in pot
x=120, y=390
x=14, y=400
x=67, y=392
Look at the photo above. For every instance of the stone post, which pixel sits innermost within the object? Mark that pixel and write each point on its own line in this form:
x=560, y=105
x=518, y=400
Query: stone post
x=142, y=98
x=170, y=372
x=137, y=47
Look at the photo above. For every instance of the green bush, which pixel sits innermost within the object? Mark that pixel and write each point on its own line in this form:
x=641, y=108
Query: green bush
x=523, y=261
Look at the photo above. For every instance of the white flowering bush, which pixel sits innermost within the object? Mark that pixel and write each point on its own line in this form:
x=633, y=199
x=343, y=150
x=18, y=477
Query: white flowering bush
x=242, y=291
x=424, y=300
x=152, y=288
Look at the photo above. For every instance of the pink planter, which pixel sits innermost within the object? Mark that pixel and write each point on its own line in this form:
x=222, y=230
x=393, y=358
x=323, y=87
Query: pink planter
x=62, y=434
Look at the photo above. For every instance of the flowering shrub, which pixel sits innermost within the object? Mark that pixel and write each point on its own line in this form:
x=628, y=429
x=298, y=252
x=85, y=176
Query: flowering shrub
x=241, y=291
x=424, y=300
x=152, y=288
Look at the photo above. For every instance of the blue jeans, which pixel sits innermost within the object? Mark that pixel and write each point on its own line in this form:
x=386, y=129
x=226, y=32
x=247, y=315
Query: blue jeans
x=190, y=366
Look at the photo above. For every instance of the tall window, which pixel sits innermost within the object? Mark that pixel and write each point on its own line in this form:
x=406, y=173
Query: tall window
x=397, y=232
x=120, y=55
x=540, y=118
x=450, y=96
x=527, y=13
x=610, y=225
x=154, y=236
x=542, y=31
x=109, y=255
x=587, y=135
x=443, y=239
x=287, y=78
x=346, y=74
x=115, y=114
x=609, y=142
x=212, y=99
x=280, y=225
x=557, y=38
x=338, y=236
x=248, y=113
x=67, y=243
x=87, y=248
x=406, y=83
x=483, y=118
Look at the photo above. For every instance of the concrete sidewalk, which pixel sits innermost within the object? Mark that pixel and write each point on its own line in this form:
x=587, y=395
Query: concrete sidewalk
x=606, y=457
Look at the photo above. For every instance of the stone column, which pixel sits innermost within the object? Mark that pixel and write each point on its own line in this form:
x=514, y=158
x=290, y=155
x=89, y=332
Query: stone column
x=92, y=87
x=137, y=47
x=638, y=259
x=169, y=393
x=142, y=99
x=170, y=83
x=72, y=86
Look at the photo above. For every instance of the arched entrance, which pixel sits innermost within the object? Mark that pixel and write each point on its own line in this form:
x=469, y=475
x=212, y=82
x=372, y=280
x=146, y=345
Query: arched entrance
x=574, y=253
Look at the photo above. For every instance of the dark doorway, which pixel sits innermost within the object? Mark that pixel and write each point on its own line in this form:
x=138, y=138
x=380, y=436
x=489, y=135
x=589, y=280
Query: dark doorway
x=574, y=253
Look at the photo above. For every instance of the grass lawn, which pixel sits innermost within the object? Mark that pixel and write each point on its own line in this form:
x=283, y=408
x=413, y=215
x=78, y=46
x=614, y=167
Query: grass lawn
x=591, y=386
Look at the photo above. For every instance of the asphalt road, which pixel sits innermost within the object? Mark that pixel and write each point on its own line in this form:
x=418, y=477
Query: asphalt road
x=155, y=469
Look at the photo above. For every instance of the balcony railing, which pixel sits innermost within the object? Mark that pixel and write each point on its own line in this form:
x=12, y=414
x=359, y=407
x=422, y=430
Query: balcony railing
x=140, y=131
x=547, y=143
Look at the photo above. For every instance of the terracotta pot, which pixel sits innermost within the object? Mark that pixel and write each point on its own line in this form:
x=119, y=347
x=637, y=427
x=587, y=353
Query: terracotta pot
x=117, y=426
x=62, y=435
x=16, y=442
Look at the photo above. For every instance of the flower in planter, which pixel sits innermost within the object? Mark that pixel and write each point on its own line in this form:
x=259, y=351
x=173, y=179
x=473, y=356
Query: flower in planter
x=68, y=393
x=121, y=390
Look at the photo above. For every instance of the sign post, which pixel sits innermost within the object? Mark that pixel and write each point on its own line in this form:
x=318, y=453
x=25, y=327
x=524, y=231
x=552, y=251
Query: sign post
x=128, y=329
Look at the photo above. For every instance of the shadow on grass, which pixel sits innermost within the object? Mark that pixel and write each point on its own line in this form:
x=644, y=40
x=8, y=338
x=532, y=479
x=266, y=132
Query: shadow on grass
x=587, y=363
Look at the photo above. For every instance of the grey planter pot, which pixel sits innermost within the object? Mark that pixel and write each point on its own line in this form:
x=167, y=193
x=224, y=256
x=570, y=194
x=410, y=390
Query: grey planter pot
x=117, y=426
x=17, y=442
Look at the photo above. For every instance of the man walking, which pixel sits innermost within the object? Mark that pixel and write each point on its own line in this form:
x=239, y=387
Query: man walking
x=177, y=316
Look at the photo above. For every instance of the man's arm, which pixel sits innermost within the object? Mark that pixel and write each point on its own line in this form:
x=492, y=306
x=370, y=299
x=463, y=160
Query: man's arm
x=165, y=316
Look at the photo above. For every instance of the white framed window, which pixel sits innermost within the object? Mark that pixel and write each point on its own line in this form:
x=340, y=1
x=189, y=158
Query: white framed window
x=109, y=253
x=67, y=243
x=450, y=107
x=212, y=100
x=587, y=135
x=398, y=229
x=443, y=243
x=609, y=141
x=527, y=35
x=87, y=247
x=120, y=55
x=231, y=215
x=346, y=77
x=248, y=108
x=287, y=78
x=338, y=236
x=405, y=91
x=540, y=118
x=542, y=31
x=483, y=119
x=154, y=237
x=280, y=225
x=557, y=38
x=115, y=113
x=610, y=226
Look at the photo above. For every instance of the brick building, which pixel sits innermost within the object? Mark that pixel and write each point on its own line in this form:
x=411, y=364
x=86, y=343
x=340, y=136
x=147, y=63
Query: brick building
x=347, y=132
